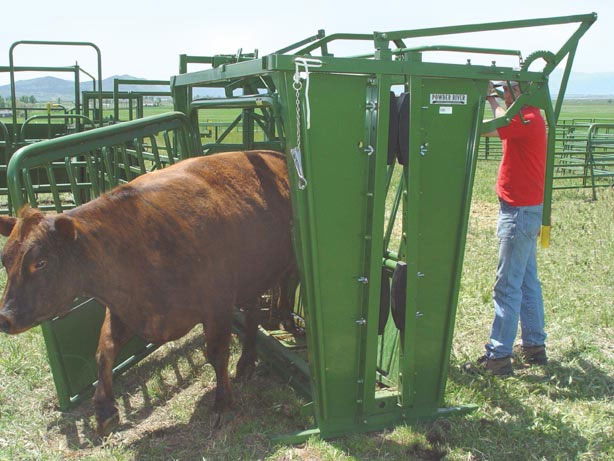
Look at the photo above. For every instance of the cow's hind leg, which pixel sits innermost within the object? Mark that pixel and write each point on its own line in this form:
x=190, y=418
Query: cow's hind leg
x=287, y=298
x=217, y=338
x=247, y=361
x=113, y=336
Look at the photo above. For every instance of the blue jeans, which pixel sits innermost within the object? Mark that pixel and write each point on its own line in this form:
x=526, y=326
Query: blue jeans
x=517, y=293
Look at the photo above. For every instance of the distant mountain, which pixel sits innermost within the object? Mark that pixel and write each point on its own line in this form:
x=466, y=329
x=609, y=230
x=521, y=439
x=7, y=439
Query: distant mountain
x=584, y=84
x=42, y=88
x=52, y=88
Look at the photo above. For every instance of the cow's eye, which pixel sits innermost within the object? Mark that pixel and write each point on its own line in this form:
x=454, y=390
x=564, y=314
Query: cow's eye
x=40, y=264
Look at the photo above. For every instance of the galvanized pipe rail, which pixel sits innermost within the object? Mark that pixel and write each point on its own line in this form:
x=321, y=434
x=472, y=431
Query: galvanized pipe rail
x=605, y=143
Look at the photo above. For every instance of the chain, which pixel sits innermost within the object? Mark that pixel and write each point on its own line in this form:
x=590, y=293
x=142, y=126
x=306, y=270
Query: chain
x=297, y=85
x=306, y=63
x=296, y=151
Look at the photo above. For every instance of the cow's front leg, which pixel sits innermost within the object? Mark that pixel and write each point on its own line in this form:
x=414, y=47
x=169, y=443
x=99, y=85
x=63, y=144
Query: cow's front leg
x=113, y=336
x=247, y=361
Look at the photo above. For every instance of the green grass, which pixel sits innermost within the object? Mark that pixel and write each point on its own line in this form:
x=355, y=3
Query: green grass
x=580, y=108
x=562, y=411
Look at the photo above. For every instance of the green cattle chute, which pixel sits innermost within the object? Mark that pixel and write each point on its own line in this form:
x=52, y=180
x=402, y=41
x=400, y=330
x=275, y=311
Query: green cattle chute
x=343, y=132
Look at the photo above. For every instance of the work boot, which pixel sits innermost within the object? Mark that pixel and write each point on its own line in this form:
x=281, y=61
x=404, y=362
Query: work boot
x=487, y=366
x=533, y=355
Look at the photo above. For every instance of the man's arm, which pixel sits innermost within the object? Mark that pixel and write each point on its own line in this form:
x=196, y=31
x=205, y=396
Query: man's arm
x=497, y=111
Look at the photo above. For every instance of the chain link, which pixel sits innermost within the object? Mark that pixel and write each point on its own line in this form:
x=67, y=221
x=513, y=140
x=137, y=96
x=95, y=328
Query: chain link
x=297, y=85
x=296, y=151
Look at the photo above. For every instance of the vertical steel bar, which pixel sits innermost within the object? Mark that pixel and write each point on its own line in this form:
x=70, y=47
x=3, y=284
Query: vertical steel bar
x=169, y=148
x=57, y=201
x=93, y=173
x=108, y=167
x=564, y=80
x=29, y=188
x=77, y=98
x=156, y=153
x=548, y=182
x=116, y=101
x=378, y=189
x=72, y=180
x=139, y=154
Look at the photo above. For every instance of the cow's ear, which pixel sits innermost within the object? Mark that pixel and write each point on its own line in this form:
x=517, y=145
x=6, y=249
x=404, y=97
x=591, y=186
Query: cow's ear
x=6, y=225
x=66, y=227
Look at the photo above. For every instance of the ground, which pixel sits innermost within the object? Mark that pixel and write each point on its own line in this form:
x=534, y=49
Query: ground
x=562, y=411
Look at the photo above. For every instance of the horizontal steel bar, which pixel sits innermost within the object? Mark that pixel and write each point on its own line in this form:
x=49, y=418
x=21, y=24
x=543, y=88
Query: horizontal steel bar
x=242, y=102
x=39, y=68
x=22, y=132
x=448, y=48
x=136, y=81
x=272, y=63
x=484, y=27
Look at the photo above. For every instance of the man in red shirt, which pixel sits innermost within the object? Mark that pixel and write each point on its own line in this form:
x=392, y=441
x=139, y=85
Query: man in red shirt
x=520, y=187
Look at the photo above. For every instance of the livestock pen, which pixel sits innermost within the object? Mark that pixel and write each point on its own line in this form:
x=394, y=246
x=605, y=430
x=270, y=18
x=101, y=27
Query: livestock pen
x=364, y=371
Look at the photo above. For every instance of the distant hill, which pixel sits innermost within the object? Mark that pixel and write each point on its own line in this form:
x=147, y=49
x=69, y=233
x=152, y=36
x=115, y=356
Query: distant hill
x=584, y=84
x=52, y=88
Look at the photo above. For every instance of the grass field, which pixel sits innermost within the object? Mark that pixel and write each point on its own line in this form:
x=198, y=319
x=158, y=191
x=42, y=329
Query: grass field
x=562, y=411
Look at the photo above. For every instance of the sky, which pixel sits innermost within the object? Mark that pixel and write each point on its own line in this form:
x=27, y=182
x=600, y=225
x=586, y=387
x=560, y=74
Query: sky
x=145, y=38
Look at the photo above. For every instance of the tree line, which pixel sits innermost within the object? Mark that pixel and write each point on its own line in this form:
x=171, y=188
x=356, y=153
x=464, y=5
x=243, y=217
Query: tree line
x=6, y=102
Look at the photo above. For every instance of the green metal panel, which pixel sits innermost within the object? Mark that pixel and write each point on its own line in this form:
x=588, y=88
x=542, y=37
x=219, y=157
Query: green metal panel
x=71, y=342
x=443, y=146
x=332, y=218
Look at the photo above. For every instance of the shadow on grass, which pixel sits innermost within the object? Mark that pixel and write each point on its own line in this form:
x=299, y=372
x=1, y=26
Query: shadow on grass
x=78, y=426
x=574, y=379
x=519, y=430
x=263, y=406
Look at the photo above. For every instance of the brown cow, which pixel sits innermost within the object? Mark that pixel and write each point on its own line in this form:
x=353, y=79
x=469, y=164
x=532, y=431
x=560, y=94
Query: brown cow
x=171, y=249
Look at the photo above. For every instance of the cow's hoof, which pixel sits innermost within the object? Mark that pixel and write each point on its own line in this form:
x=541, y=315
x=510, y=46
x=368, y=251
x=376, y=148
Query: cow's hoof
x=218, y=421
x=108, y=425
x=245, y=368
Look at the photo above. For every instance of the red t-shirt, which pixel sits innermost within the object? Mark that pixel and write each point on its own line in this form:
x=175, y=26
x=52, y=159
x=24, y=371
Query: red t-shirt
x=521, y=174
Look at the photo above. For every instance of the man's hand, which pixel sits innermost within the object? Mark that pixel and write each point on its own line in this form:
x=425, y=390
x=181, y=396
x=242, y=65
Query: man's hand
x=491, y=92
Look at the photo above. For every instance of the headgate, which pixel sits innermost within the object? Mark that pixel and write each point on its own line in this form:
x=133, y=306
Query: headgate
x=346, y=135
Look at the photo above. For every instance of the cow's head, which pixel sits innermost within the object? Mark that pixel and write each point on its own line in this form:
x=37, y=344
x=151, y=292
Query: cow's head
x=38, y=261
